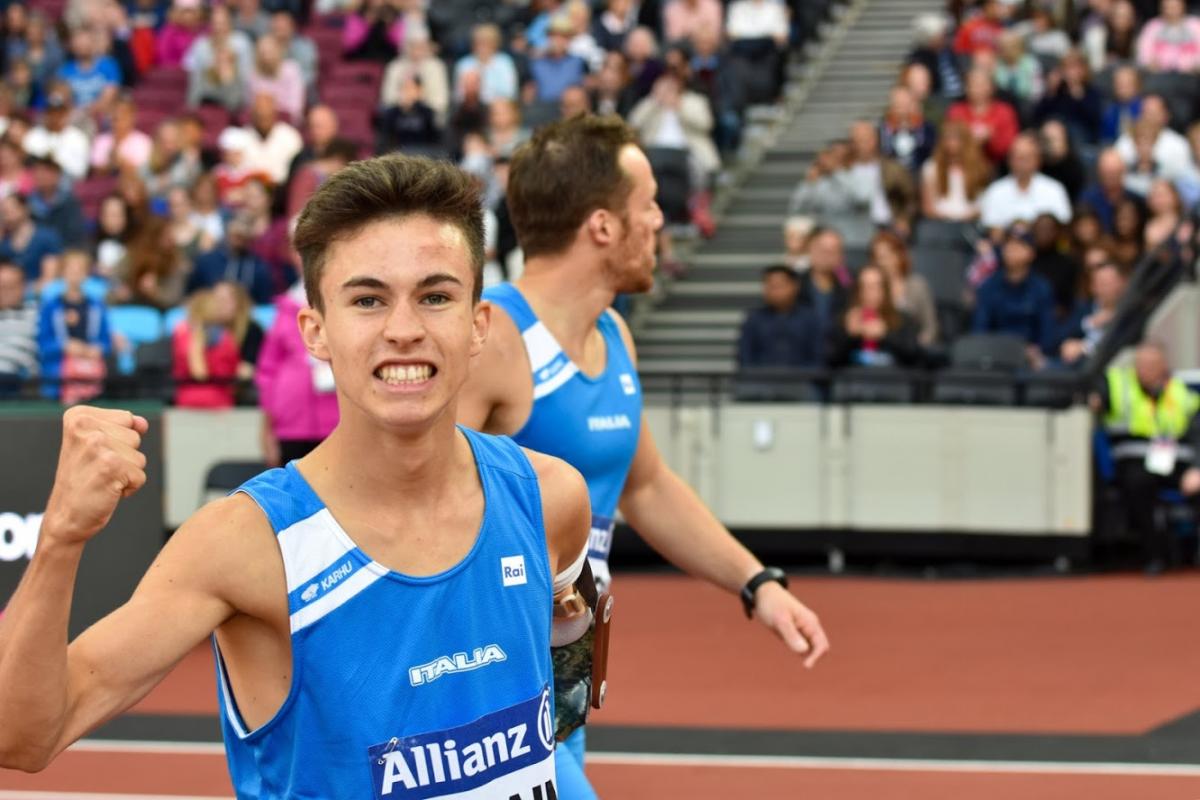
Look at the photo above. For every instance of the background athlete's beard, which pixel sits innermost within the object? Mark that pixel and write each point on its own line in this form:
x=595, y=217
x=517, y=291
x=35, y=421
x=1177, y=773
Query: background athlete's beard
x=626, y=270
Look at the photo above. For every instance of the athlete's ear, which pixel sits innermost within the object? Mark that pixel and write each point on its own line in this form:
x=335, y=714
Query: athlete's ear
x=312, y=330
x=600, y=227
x=480, y=326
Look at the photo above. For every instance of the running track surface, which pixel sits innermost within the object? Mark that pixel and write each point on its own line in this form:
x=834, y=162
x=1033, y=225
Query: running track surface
x=1056, y=688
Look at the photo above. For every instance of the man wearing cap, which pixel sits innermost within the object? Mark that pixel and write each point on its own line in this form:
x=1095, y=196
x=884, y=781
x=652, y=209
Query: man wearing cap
x=1017, y=301
x=57, y=138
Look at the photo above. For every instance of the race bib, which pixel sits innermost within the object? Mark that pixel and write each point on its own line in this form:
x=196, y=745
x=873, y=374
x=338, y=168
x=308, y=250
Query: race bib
x=1160, y=458
x=508, y=754
x=599, y=546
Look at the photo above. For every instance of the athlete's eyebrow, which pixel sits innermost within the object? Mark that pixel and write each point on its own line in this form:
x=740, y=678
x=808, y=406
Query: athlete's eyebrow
x=363, y=282
x=436, y=278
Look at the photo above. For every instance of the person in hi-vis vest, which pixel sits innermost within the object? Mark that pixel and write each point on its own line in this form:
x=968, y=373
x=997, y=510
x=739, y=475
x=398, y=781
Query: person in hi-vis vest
x=1151, y=421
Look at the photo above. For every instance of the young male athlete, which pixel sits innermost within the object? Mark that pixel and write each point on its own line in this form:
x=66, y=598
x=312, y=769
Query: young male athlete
x=559, y=372
x=381, y=607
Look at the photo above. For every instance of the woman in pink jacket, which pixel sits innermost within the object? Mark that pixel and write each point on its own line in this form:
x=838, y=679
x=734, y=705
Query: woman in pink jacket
x=295, y=390
x=1170, y=42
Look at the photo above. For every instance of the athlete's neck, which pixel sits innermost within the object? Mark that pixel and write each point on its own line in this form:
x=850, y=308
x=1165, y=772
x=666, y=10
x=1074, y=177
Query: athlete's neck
x=567, y=299
x=407, y=467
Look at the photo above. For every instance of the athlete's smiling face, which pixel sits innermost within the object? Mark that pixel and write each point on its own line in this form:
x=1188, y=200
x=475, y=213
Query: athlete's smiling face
x=400, y=324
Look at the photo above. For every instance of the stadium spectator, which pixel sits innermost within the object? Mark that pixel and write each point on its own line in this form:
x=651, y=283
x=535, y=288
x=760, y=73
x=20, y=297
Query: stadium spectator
x=582, y=43
x=495, y=68
x=758, y=21
x=1059, y=159
x=114, y=229
x=714, y=74
x=176, y=37
x=54, y=206
x=1125, y=108
x=419, y=60
x=903, y=133
x=124, y=146
x=168, y=165
x=992, y=122
x=1171, y=41
x=538, y=32
x=219, y=62
x=981, y=33
x=1017, y=301
x=645, y=66
x=295, y=47
x=873, y=332
x=1052, y=262
x=1025, y=193
x=34, y=247
x=57, y=138
x=954, y=178
x=154, y=271
x=373, y=31
x=614, y=24
x=1171, y=152
x=73, y=336
x=295, y=391
x=1103, y=196
x=782, y=332
x=273, y=142
x=1043, y=39
x=1126, y=242
x=796, y=232
x=932, y=50
x=1072, y=99
x=281, y=78
x=916, y=78
x=187, y=234
x=575, y=100
x=468, y=116
x=16, y=20
x=674, y=117
x=40, y=52
x=1116, y=40
x=908, y=291
x=268, y=234
x=823, y=286
x=15, y=177
x=556, y=69
x=1017, y=73
x=250, y=18
x=682, y=18
x=204, y=356
x=1166, y=211
x=1150, y=419
x=410, y=122
x=18, y=330
x=92, y=75
x=236, y=261
x=1107, y=286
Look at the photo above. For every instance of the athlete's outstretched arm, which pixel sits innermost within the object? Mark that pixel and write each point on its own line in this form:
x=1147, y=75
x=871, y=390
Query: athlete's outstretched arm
x=680, y=527
x=51, y=694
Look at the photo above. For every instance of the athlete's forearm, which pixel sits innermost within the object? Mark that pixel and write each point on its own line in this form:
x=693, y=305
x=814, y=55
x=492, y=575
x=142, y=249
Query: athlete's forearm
x=34, y=698
x=675, y=522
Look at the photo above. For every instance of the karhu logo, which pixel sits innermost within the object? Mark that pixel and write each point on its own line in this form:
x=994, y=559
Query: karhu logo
x=613, y=422
x=308, y=594
x=459, y=662
x=627, y=384
x=512, y=570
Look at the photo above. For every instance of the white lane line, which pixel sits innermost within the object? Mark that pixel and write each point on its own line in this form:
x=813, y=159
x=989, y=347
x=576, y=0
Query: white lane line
x=900, y=764
x=135, y=746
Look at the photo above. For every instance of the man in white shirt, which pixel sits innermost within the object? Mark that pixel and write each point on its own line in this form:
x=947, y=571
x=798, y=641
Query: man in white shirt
x=758, y=19
x=1171, y=151
x=1025, y=194
x=275, y=143
x=56, y=138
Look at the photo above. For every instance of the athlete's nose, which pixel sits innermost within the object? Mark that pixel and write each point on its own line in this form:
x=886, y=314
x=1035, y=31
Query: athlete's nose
x=404, y=325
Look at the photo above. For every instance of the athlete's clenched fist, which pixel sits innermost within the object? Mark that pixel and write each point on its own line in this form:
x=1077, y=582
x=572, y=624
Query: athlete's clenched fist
x=98, y=465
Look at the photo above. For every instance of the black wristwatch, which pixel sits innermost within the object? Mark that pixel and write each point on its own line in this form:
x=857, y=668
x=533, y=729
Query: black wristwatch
x=748, y=591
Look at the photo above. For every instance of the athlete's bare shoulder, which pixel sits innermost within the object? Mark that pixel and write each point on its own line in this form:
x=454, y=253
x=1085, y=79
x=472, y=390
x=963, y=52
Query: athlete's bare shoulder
x=229, y=546
x=498, y=393
x=626, y=336
x=566, y=509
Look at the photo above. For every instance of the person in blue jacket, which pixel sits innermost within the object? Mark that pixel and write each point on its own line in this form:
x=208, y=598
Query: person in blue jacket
x=1016, y=300
x=71, y=324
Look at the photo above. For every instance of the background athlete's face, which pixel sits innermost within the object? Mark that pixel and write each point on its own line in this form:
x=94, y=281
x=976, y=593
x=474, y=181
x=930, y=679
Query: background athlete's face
x=631, y=265
x=399, y=326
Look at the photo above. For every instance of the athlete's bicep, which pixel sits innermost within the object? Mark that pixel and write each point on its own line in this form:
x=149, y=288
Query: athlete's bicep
x=646, y=468
x=566, y=509
x=182, y=598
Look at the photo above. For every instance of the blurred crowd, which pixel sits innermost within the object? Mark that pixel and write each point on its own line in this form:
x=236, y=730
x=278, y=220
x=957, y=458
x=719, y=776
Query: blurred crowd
x=1030, y=154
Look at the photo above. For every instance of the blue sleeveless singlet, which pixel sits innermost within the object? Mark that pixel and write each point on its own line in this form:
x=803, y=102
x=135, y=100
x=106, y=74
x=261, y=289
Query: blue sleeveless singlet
x=406, y=687
x=591, y=423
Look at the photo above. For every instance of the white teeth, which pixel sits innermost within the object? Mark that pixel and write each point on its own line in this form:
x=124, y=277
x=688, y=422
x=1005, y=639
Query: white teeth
x=412, y=373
